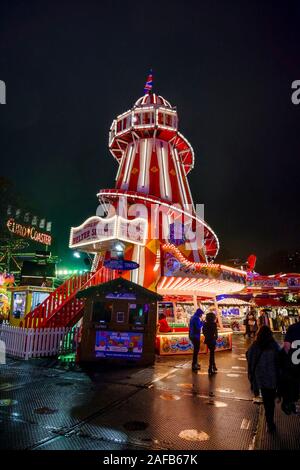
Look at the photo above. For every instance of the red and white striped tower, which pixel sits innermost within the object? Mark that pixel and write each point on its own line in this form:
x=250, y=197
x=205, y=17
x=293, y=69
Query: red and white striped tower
x=154, y=160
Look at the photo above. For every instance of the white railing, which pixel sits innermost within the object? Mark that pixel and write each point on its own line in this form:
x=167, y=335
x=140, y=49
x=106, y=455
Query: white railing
x=26, y=343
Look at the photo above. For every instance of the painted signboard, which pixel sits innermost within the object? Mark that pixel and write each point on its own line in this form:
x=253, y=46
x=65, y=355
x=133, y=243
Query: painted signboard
x=179, y=343
x=119, y=344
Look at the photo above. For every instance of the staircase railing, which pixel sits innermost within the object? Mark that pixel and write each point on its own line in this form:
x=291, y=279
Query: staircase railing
x=62, y=306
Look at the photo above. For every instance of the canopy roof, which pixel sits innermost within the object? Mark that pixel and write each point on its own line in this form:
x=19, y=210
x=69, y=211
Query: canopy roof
x=117, y=286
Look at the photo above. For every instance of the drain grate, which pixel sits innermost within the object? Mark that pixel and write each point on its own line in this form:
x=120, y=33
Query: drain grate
x=135, y=425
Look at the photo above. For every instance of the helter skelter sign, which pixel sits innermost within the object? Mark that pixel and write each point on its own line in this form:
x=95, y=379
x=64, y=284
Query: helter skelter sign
x=98, y=230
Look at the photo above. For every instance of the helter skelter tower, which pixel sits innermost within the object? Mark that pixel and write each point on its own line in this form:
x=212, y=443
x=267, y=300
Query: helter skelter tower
x=154, y=159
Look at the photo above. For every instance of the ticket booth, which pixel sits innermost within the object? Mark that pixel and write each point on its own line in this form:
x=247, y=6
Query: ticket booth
x=23, y=300
x=119, y=323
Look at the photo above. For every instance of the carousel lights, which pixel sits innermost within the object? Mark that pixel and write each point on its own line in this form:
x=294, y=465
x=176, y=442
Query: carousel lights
x=128, y=163
x=145, y=158
x=164, y=174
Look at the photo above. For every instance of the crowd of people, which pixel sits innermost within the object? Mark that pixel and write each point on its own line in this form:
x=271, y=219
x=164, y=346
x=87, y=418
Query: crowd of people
x=273, y=371
x=254, y=320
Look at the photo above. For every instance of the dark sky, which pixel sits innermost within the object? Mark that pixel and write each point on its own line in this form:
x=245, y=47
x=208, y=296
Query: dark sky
x=71, y=67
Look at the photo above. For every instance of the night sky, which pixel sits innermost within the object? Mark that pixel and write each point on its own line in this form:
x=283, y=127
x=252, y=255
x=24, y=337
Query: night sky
x=71, y=67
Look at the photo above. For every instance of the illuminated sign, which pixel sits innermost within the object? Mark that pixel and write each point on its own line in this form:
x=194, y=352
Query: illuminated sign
x=28, y=231
x=97, y=230
x=172, y=267
x=120, y=264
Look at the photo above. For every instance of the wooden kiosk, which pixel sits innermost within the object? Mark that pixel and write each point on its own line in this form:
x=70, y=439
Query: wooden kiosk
x=119, y=323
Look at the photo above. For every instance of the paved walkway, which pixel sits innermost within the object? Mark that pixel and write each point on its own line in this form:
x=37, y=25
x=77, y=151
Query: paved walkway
x=167, y=406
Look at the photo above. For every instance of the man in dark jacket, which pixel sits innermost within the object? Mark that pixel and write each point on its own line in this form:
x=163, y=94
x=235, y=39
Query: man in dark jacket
x=195, y=334
x=290, y=382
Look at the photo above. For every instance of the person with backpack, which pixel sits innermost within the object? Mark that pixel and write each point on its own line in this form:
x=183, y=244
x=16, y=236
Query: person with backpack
x=195, y=328
x=210, y=332
x=263, y=358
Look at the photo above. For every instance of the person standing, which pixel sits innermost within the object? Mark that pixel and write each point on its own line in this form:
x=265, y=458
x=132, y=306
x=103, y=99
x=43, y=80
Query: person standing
x=263, y=318
x=163, y=325
x=263, y=370
x=195, y=328
x=210, y=332
x=247, y=326
x=291, y=369
x=252, y=322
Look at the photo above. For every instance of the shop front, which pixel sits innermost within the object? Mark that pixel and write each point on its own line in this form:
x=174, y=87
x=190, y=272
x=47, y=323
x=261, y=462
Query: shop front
x=278, y=296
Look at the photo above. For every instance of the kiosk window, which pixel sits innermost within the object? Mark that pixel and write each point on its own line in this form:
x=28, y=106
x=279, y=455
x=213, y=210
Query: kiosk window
x=19, y=304
x=120, y=317
x=102, y=312
x=138, y=314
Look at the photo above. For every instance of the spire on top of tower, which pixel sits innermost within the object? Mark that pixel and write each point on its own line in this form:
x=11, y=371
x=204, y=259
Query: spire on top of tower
x=149, y=83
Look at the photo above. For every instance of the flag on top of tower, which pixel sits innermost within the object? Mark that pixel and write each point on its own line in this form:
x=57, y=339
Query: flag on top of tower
x=149, y=83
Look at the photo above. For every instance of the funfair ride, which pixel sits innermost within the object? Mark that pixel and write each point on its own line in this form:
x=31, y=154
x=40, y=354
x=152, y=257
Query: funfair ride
x=150, y=217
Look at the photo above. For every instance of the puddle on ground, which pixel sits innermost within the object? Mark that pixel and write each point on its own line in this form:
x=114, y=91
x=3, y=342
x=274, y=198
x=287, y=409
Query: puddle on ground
x=186, y=386
x=225, y=390
x=193, y=435
x=169, y=396
x=217, y=404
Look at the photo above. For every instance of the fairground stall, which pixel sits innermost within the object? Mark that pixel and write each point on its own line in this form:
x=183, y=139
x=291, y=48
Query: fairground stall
x=233, y=311
x=6, y=281
x=279, y=294
x=150, y=218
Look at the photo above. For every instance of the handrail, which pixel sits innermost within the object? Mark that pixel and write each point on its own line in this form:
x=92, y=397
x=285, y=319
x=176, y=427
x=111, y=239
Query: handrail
x=63, y=297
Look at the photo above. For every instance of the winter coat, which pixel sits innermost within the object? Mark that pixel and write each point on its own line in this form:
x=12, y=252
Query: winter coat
x=210, y=332
x=195, y=327
x=263, y=366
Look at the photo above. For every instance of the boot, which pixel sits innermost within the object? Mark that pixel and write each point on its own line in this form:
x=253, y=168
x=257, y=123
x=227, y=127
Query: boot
x=210, y=370
x=215, y=368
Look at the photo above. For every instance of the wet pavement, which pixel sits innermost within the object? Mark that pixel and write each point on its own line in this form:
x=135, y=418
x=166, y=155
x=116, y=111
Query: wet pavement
x=46, y=407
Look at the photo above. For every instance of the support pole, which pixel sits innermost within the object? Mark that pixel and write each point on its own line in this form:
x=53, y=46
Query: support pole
x=219, y=316
x=195, y=301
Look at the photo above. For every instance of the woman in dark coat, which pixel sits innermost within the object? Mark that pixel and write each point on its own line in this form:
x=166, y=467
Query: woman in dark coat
x=210, y=332
x=263, y=370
